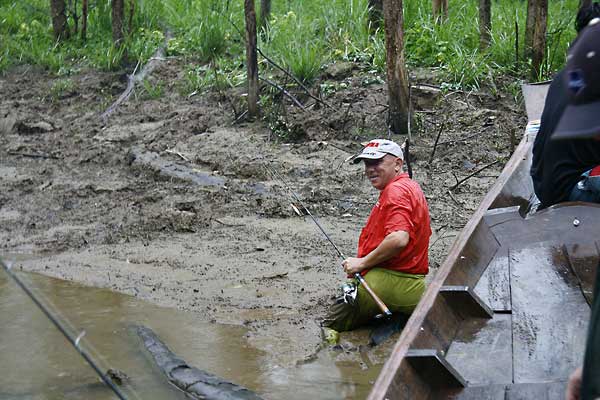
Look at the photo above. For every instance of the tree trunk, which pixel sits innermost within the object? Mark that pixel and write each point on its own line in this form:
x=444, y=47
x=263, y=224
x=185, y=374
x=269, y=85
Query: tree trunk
x=439, y=10
x=485, y=23
x=529, y=27
x=118, y=15
x=265, y=12
x=375, y=14
x=59, y=19
x=397, y=76
x=131, y=14
x=74, y=16
x=539, y=38
x=251, y=58
x=84, y=15
x=535, y=35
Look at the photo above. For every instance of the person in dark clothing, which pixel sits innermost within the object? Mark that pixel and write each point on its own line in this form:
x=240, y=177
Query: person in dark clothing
x=581, y=120
x=557, y=166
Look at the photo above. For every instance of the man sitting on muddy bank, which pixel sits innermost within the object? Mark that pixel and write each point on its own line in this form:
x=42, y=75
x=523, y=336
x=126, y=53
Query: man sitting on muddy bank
x=393, y=245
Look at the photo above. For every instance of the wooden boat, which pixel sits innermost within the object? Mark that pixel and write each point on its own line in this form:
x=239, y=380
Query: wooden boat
x=506, y=315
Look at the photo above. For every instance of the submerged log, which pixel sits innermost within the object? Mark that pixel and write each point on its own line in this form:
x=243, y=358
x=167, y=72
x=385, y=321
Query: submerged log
x=194, y=382
x=138, y=158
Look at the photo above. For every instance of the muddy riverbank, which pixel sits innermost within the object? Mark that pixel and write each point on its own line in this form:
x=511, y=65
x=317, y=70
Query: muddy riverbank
x=172, y=201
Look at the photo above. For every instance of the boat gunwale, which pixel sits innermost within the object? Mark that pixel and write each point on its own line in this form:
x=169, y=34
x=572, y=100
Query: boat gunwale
x=417, y=319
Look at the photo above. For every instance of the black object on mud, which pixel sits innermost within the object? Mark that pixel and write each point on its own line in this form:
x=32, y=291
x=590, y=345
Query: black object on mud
x=384, y=329
x=195, y=383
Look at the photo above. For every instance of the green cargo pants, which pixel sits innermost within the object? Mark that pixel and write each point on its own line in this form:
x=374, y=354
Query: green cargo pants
x=399, y=291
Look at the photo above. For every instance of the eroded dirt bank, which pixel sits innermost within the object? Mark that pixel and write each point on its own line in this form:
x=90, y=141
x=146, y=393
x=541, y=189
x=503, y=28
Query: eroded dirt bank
x=170, y=201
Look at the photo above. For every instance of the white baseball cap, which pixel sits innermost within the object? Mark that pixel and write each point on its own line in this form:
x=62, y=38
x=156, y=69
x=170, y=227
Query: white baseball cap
x=378, y=148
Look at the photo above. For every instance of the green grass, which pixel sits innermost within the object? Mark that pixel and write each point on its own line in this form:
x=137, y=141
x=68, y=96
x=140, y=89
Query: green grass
x=302, y=36
x=60, y=88
x=151, y=90
x=220, y=74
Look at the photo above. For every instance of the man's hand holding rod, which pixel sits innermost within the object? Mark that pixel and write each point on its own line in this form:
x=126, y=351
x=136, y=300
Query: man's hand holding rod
x=389, y=247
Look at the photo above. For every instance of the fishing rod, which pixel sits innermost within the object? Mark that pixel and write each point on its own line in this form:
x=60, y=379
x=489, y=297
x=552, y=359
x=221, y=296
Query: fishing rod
x=405, y=148
x=63, y=330
x=386, y=311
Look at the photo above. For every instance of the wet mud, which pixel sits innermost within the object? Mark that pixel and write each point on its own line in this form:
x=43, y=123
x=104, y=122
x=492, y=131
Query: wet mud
x=171, y=201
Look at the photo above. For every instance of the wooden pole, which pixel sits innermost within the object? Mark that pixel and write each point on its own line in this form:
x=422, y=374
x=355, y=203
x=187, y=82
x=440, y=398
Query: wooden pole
x=397, y=77
x=84, y=17
x=529, y=26
x=517, y=58
x=535, y=34
x=58, y=13
x=539, y=38
x=439, y=10
x=485, y=23
x=131, y=14
x=251, y=58
x=118, y=14
x=74, y=16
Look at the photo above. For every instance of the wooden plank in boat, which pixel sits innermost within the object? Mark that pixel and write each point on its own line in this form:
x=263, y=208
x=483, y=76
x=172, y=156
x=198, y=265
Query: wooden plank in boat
x=482, y=351
x=432, y=364
x=534, y=95
x=562, y=223
x=475, y=255
x=494, y=285
x=466, y=302
x=584, y=260
x=493, y=392
x=550, y=315
x=538, y=391
x=522, y=391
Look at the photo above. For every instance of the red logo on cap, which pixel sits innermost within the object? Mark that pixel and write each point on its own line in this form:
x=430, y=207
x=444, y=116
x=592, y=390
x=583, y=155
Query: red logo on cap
x=372, y=144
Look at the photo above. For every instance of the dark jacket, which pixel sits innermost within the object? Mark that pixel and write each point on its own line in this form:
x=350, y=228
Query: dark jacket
x=557, y=165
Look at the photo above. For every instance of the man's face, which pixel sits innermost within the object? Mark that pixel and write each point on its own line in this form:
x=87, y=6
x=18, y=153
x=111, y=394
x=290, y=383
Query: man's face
x=382, y=171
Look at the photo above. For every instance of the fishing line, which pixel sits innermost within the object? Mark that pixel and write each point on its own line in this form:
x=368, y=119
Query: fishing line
x=306, y=211
x=75, y=342
x=386, y=311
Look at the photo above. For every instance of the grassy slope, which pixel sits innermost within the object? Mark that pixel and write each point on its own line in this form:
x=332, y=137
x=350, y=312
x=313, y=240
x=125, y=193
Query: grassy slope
x=303, y=35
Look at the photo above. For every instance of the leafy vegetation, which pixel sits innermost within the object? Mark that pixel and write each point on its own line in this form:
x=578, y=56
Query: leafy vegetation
x=302, y=36
x=60, y=88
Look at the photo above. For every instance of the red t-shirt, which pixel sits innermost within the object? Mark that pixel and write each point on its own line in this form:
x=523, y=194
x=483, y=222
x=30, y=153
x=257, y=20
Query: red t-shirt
x=401, y=207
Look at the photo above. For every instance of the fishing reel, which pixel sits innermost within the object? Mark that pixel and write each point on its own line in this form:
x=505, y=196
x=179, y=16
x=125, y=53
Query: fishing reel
x=349, y=292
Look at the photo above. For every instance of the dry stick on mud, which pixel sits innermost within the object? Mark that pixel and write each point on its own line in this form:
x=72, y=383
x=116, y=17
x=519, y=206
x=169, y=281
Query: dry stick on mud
x=437, y=138
x=454, y=198
x=177, y=153
x=158, y=56
x=32, y=155
x=241, y=117
x=283, y=91
x=459, y=139
x=223, y=223
x=472, y=175
x=345, y=118
x=353, y=152
x=273, y=63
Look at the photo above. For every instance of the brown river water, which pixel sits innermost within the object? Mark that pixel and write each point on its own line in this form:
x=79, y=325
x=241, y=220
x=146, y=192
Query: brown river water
x=37, y=362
